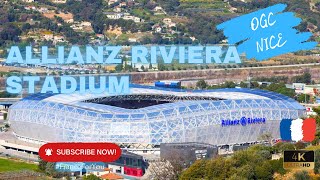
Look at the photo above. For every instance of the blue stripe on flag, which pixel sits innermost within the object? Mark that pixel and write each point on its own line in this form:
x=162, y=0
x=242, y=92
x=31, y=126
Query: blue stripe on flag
x=285, y=131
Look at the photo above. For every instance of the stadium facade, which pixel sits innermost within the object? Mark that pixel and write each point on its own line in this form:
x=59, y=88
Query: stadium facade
x=149, y=116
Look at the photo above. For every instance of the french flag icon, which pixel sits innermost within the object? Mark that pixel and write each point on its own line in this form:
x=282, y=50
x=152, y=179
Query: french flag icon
x=298, y=129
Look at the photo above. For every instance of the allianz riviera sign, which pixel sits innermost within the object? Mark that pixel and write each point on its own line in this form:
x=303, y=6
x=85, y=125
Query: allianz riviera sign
x=243, y=121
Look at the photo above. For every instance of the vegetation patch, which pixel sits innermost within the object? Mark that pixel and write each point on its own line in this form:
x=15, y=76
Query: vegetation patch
x=7, y=165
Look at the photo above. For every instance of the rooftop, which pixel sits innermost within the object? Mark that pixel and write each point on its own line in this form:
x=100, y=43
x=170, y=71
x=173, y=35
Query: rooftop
x=182, y=99
x=111, y=176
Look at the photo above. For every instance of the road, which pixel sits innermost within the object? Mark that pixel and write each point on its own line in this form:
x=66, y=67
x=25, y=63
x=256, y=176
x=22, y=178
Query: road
x=218, y=75
x=220, y=69
x=8, y=101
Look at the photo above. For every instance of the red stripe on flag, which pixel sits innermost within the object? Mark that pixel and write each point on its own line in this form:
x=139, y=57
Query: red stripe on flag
x=309, y=129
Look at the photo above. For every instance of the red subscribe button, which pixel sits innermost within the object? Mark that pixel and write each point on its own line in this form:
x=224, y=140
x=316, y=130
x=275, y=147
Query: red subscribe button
x=80, y=152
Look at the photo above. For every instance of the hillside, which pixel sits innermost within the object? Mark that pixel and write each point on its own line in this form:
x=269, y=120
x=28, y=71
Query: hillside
x=126, y=22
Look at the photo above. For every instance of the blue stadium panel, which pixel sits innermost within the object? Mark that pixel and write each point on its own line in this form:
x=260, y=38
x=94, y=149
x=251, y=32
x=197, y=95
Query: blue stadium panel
x=226, y=118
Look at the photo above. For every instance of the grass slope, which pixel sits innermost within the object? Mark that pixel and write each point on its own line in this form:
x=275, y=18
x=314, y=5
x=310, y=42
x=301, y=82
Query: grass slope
x=7, y=165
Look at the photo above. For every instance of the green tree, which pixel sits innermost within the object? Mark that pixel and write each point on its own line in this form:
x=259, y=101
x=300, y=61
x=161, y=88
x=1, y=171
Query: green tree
x=119, y=67
x=316, y=109
x=254, y=84
x=201, y=84
x=275, y=86
x=196, y=171
x=263, y=171
x=303, y=98
x=219, y=168
x=277, y=166
x=5, y=94
x=25, y=27
x=42, y=165
x=317, y=161
x=237, y=177
x=51, y=171
x=243, y=84
x=286, y=91
x=91, y=177
x=260, y=147
x=229, y=84
x=264, y=154
x=161, y=66
x=281, y=89
x=304, y=78
x=282, y=146
x=10, y=32
x=299, y=145
x=252, y=163
x=244, y=172
x=301, y=175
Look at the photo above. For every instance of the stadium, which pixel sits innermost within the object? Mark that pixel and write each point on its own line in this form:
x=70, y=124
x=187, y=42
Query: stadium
x=149, y=116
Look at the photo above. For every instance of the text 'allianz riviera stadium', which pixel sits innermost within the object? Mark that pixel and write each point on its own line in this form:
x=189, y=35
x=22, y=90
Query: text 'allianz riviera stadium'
x=149, y=116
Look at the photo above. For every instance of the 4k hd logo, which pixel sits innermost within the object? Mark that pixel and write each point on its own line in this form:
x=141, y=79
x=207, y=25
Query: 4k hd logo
x=298, y=160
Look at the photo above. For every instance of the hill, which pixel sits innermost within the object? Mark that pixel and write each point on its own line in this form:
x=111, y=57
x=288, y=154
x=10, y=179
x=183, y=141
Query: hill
x=137, y=22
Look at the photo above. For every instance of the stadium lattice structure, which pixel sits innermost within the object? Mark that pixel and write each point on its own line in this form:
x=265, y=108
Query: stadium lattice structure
x=151, y=116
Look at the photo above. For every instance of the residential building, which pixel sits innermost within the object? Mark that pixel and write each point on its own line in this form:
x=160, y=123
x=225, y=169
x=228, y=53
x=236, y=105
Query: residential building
x=137, y=19
x=114, y=15
x=30, y=8
x=100, y=36
x=128, y=17
x=28, y=1
x=193, y=38
x=58, y=39
x=132, y=40
x=157, y=28
x=47, y=35
x=99, y=173
x=1, y=116
x=85, y=23
x=76, y=27
x=69, y=20
x=157, y=8
x=43, y=10
x=170, y=25
x=59, y=1
x=133, y=18
x=112, y=176
x=168, y=22
x=123, y=4
x=110, y=2
x=117, y=9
